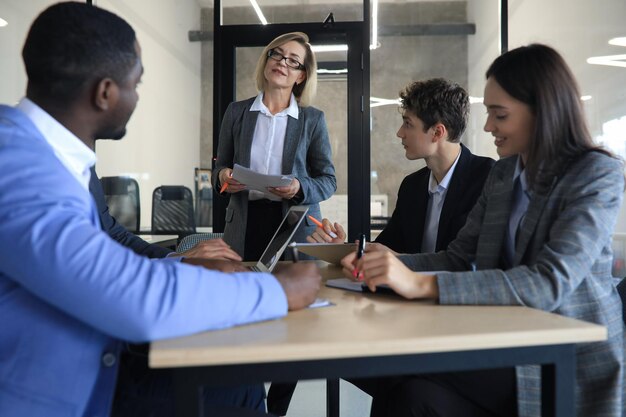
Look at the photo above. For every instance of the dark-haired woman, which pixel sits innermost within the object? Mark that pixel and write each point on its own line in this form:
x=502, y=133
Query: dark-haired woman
x=539, y=236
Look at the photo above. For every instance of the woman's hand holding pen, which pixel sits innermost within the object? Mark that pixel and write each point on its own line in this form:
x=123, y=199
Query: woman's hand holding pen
x=325, y=231
x=288, y=191
x=383, y=267
x=229, y=184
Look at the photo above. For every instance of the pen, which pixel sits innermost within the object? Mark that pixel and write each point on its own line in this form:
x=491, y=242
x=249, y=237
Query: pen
x=359, y=255
x=294, y=252
x=225, y=185
x=319, y=223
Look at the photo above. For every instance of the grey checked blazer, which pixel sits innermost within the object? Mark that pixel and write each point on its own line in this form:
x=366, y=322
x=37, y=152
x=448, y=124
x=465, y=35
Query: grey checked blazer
x=306, y=155
x=562, y=265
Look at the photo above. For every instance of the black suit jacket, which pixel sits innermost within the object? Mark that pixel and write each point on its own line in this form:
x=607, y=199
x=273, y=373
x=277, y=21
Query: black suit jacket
x=405, y=229
x=116, y=230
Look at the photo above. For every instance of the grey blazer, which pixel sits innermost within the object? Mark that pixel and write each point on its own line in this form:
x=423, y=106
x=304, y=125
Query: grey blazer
x=306, y=155
x=562, y=265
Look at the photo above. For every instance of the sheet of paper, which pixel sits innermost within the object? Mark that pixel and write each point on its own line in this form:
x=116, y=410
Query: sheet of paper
x=259, y=182
x=345, y=284
x=320, y=302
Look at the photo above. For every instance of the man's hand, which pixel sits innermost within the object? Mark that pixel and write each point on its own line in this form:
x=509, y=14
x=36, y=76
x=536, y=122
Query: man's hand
x=301, y=283
x=322, y=234
x=212, y=249
x=217, y=264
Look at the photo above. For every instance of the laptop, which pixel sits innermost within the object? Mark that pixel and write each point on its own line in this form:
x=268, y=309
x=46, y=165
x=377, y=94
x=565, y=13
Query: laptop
x=281, y=239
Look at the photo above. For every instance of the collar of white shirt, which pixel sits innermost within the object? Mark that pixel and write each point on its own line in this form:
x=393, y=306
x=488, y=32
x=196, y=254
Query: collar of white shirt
x=433, y=187
x=71, y=151
x=292, y=110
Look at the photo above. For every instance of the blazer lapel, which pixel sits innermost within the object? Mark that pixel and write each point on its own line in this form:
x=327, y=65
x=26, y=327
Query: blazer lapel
x=531, y=219
x=245, y=145
x=420, y=203
x=495, y=222
x=292, y=139
x=452, y=196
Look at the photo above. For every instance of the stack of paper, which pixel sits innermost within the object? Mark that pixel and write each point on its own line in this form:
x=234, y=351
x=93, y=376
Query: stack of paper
x=259, y=182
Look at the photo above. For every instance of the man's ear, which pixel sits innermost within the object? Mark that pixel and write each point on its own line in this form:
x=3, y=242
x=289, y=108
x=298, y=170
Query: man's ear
x=439, y=132
x=106, y=94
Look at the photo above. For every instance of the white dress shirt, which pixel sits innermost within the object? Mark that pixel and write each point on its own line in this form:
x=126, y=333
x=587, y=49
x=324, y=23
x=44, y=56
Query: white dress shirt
x=437, y=194
x=266, y=153
x=71, y=151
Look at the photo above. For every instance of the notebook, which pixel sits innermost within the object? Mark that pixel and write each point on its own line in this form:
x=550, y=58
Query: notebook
x=281, y=239
x=330, y=252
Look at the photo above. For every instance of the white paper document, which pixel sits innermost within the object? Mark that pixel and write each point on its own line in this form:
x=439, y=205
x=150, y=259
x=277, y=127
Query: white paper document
x=259, y=182
x=320, y=302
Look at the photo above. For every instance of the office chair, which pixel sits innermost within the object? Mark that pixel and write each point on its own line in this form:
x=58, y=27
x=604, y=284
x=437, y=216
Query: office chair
x=172, y=211
x=122, y=197
x=190, y=241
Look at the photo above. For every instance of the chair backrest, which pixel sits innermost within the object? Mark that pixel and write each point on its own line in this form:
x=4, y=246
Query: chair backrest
x=190, y=241
x=172, y=211
x=122, y=198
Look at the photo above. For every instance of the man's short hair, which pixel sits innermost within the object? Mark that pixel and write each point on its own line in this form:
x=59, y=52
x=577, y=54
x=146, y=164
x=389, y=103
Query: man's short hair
x=438, y=101
x=72, y=44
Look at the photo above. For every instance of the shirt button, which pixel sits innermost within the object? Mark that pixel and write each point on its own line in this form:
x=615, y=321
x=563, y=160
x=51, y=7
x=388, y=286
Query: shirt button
x=108, y=359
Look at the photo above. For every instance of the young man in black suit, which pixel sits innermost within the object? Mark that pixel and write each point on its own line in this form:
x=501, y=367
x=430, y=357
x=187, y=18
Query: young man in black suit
x=433, y=202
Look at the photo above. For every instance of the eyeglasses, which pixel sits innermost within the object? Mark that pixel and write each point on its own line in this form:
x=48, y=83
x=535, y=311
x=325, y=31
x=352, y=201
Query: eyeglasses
x=291, y=63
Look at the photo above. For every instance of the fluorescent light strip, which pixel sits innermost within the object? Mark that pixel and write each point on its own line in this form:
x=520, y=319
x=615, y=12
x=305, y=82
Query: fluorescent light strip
x=3, y=22
x=377, y=102
x=374, y=44
x=610, y=60
x=618, y=41
x=329, y=48
x=258, y=11
x=328, y=71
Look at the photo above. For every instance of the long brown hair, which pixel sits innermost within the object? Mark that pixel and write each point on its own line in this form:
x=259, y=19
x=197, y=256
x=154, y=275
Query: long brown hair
x=539, y=77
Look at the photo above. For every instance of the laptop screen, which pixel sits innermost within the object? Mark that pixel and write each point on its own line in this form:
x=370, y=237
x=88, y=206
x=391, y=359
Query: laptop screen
x=281, y=238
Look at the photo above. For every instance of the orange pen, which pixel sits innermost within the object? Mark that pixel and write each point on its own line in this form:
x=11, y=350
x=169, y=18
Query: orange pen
x=319, y=223
x=225, y=185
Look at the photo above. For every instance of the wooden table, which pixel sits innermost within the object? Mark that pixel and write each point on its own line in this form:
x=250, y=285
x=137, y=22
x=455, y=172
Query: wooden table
x=366, y=335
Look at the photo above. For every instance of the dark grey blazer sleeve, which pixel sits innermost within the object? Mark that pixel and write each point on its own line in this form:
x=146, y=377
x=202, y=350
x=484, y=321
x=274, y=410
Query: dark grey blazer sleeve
x=116, y=230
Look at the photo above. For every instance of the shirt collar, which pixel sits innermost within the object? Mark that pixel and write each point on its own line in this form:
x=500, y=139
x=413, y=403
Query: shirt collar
x=292, y=110
x=433, y=187
x=73, y=153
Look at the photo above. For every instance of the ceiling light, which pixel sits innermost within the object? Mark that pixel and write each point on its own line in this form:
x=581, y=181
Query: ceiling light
x=374, y=44
x=610, y=60
x=475, y=100
x=329, y=48
x=3, y=22
x=377, y=102
x=585, y=98
x=618, y=41
x=258, y=11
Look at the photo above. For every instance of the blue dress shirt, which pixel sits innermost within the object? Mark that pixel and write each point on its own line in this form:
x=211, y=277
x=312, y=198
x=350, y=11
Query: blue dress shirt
x=69, y=293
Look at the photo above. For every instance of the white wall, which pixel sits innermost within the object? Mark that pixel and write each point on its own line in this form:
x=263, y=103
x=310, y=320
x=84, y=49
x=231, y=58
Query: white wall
x=163, y=140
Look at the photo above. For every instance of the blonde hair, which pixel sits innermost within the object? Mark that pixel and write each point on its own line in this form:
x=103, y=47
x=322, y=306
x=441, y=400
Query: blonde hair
x=305, y=91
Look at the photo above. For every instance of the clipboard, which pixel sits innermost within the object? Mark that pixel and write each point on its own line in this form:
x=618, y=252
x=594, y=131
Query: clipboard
x=330, y=252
